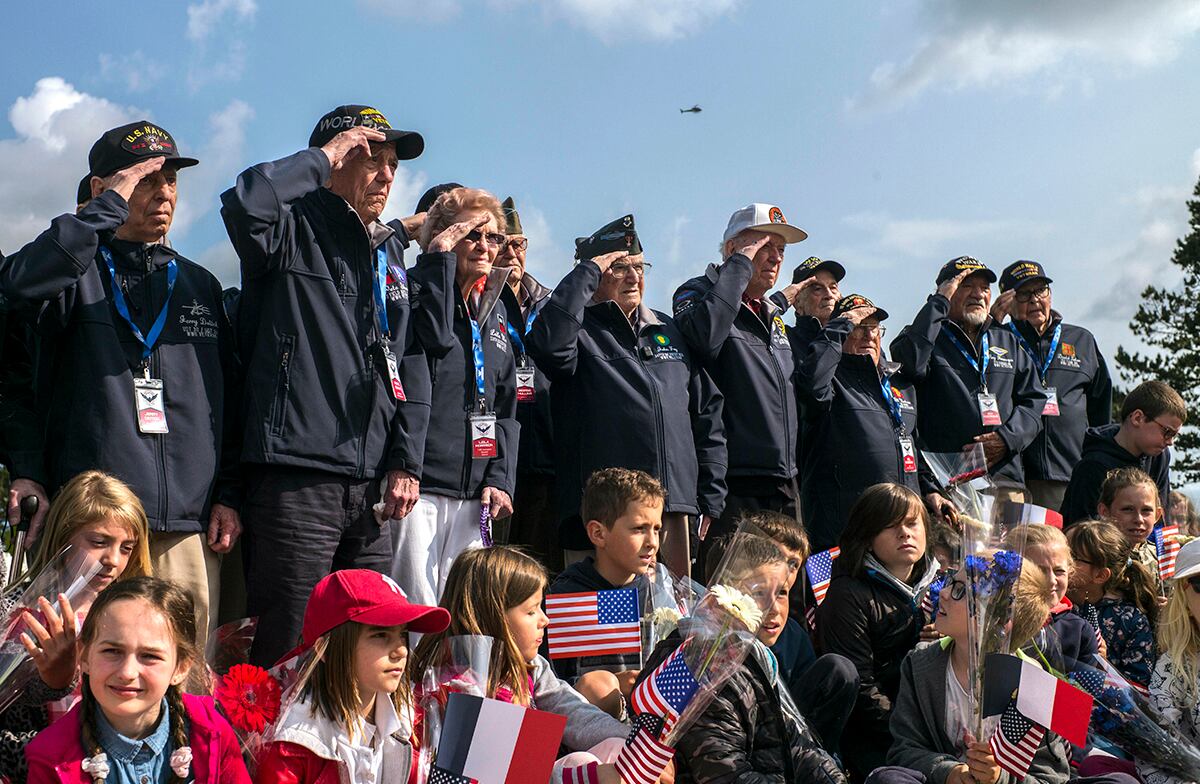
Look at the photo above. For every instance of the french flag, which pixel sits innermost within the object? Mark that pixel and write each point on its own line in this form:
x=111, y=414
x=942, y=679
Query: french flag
x=1013, y=514
x=496, y=742
x=1056, y=705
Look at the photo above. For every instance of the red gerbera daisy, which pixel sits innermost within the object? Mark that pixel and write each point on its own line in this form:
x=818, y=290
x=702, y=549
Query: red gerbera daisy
x=249, y=696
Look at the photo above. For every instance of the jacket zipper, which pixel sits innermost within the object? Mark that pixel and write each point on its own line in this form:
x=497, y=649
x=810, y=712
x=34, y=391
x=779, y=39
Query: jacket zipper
x=156, y=372
x=282, y=385
x=368, y=370
x=469, y=455
x=790, y=448
x=658, y=423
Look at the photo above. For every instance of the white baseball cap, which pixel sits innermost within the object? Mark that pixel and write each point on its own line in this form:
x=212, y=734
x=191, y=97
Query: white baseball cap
x=1187, y=562
x=762, y=217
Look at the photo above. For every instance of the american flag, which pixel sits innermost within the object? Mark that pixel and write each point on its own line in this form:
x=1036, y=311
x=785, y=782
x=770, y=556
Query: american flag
x=1015, y=741
x=643, y=758
x=440, y=776
x=594, y=623
x=820, y=569
x=1092, y=616
x=667, y=691
x=1166, y=545
x=1094, y=681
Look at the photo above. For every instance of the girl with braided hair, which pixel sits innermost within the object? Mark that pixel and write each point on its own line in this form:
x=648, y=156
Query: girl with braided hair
x=134, y=724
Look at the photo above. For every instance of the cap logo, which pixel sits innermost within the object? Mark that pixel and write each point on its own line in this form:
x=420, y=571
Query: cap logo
x=775, y=215
x=148, y=140
x=811, y=262
x=1025, y=269
x=662, y=339
x=373, y=118
x=391, y=584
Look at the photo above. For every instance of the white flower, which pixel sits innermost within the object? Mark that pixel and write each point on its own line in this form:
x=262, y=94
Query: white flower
x=96, y=767
x=739, y=605
x=665, y=621
x=181, y=761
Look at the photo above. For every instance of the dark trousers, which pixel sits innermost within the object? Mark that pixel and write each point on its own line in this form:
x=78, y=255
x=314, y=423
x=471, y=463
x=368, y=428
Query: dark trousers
x=826, y=696
x=303, y=524
x=534, y=525
x=896, y=775
x=747, y=494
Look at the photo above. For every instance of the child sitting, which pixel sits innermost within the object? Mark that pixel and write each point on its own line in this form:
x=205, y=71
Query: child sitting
x=871, y=614
x=497, y=592
x=1151, y=417
x=353, y=720
x=134, y=724
x=932, y=714
x=1116, y=594
x=1129, y=500
x=98, y=515
x=623, y=514
x=752, y=730
x=1067, y=638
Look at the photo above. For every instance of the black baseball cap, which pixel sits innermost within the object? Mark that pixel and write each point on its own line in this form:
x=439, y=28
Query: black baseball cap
x=84, y=192
x=620, y=234
x=962, y=264
x=857, y=301
x=409, y=144
x=812, y=265
x=1021, y=272
x=126, y=145
x=430, y=196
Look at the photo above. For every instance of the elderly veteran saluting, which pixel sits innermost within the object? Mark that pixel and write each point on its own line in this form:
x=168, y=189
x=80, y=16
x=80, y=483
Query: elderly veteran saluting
x=860, y=420
x=627, y=392
x=1071, y=368
x=329, y=408
x=975, y=383
x=738, y=334
x=140, y=378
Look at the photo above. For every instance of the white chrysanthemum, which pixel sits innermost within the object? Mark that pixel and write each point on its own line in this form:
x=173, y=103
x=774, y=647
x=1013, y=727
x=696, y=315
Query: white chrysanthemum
x=739, y=605
x=665, y=621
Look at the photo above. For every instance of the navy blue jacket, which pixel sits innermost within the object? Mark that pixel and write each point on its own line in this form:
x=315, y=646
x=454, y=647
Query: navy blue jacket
x=1101, y=454
x=317, y=393
x=450, y=470
x=850, y=438
x=949, y=386
x=749, y=357
x=536, y=454
x=635, y=399
x=85, y=383
x=1079, y=374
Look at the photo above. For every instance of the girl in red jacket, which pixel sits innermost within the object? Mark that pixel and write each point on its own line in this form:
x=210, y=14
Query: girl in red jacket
x=352, y=720
x=133, y=722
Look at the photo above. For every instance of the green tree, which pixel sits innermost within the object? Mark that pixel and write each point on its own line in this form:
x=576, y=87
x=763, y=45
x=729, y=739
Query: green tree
x=1168, y=322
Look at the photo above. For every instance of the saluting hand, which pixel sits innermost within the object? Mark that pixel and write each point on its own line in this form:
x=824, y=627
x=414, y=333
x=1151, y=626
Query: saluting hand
x=454, y=233
x=749, y=243
x=1002, y=307
x=606, y=260
x=797, y=294
x=856, y=315
x=948, y=288
x=413, y=223
x=125, y=180
x=351, y=143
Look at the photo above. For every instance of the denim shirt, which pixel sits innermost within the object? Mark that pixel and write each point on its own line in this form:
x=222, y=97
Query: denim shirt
x=137, y=761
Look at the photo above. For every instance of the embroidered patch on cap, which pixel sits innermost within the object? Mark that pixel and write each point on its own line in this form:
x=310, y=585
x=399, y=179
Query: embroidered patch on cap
x=775, y=215
x=373, y=118
x=148, y=140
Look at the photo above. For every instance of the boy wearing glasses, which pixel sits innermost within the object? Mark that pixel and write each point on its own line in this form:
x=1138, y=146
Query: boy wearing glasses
x=1151, y=417
x=1071, y=367
x=860, y=420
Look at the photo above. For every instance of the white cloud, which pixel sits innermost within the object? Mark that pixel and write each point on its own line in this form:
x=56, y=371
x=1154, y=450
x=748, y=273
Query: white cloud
x=608, y=20
x=1196, y=163
x=135, y=71
x=205, y=17
x=985, y=44
x=55, y=127
x=406, y=189
x=926, y=238
x=220, y=155
x=546, y=259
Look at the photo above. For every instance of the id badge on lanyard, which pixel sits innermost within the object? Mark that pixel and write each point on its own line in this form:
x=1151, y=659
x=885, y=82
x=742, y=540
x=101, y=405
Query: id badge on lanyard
x=525, y=377
x=989, y=409
x=908, y=454
x=151, y=407
x=1051, y=406
x=483, y=436
x=393, y=371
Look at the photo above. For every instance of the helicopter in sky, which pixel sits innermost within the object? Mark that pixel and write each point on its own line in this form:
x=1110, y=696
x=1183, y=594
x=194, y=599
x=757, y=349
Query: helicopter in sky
x=694, y=110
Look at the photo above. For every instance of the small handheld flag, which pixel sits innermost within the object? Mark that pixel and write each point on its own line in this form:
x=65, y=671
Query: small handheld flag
x=820, y=570
x=1166, y=546
x=1013, y=514
x=667, y=691
x=1015, y=741
x=494, y=742
x=643, y=758
x=594, y=623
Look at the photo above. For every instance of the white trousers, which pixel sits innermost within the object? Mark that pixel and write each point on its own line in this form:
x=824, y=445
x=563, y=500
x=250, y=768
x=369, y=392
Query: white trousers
x=426, y=542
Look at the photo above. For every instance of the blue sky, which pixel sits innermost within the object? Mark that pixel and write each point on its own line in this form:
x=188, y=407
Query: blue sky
x=898, y=135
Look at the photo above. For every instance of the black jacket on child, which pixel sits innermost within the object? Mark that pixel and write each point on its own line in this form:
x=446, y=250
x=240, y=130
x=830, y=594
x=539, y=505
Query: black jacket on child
x=317, y=393
x=90, y=356
x=580, y=577
x=625, y=397
x=851, y=439
x=1079, y=376
x=1101, y=454
x=743, y=736
x=872, y=623
x=949, y=386
x=750, y=360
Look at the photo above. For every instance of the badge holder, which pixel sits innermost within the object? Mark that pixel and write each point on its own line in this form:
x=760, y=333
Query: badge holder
x=393, y=371
x=483, y=435
x=151, y=405
x=1051, y=406
x=908, y=454
x=989, y=409
x=525, y=378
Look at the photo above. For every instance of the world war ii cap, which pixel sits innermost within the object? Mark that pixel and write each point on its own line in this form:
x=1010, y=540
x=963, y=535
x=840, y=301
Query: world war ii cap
x=857, y=301
x=962, y=264
x=621, y=234
x=124, y=146
x=1021, y=272
x=409, y=144
x=813, y=264
x=512, y=218
x=762, y=217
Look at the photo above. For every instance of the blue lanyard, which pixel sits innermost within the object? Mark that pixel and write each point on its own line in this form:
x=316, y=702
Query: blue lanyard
x=477, y=356
x=516, y=337
x=1045, y=366
x=893, y=404
x=380, y=286
x=984, y=346
x=156, y=329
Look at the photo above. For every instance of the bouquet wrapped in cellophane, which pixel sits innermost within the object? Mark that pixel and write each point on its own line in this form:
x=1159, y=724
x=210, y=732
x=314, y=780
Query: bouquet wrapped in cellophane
x=665, y=599
x=467, y=662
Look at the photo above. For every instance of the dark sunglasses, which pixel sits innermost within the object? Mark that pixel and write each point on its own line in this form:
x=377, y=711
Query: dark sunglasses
x=491, y=238
x=1195, y=583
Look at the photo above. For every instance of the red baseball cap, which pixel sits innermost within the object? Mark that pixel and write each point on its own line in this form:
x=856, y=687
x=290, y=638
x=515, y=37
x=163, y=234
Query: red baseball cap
x=368, y=597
